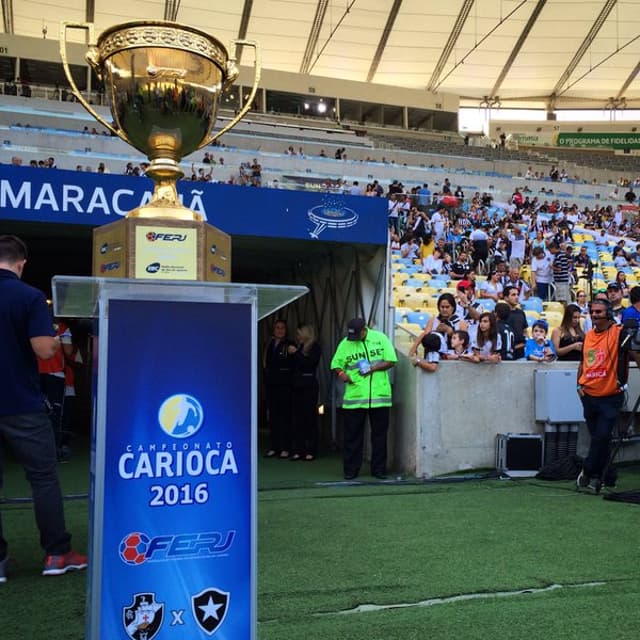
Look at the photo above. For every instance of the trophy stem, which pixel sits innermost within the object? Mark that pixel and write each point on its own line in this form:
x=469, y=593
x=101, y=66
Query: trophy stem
x=164, y=202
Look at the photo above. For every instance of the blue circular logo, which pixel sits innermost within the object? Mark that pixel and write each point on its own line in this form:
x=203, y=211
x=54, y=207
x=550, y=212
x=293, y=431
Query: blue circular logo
x=180, y=416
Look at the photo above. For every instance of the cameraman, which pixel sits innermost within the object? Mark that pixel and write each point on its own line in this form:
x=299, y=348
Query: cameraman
x=602, y=378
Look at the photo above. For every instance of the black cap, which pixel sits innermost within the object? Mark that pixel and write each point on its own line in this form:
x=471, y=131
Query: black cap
x=614, y=285
x=354, y=328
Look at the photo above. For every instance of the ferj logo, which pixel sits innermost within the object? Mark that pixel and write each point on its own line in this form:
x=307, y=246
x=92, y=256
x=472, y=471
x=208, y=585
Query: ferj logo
x=180, y=416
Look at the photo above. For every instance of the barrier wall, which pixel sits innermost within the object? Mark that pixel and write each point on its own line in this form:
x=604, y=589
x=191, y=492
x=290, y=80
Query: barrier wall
x=447, y=421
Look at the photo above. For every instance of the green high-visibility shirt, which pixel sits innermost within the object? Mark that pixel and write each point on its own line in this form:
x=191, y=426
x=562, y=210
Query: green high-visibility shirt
x=373, y=390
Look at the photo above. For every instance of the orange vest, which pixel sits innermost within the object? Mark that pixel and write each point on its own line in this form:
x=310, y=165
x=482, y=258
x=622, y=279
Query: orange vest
x=600, y=362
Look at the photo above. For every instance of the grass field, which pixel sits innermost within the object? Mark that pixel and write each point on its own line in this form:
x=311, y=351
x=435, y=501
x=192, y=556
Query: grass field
x=528, y=559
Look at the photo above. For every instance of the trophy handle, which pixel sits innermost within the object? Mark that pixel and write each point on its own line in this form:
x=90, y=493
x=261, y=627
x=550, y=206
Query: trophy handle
x=233, y=71
x=91, y=59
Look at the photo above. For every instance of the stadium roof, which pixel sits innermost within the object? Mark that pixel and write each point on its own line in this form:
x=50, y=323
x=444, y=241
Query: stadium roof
x=566, y=53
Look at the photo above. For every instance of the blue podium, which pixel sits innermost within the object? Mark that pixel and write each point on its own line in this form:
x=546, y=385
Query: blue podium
x=172, y=539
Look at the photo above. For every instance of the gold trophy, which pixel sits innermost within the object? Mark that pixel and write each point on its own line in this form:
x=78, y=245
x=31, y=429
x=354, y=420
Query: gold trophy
x=164, y=81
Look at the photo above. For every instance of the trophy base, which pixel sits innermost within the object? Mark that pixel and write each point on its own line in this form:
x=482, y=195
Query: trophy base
x=161, y=249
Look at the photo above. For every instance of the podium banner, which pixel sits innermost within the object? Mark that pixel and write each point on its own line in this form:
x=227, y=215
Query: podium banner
x=174, y=490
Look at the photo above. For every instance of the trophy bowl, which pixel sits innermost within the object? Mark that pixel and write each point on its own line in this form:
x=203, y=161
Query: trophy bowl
x=164, y=81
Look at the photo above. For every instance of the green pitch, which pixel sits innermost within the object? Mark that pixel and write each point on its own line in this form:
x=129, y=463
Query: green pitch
x=479, y=559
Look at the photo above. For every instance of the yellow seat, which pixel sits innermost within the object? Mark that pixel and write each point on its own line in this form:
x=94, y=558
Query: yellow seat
x=582, y=284
x=416, y=301
x=423, y=277
x=402, y=292
x=430, y=293
x=553, y=318
x=398, y=278
x=553, y=306
x=407, y=330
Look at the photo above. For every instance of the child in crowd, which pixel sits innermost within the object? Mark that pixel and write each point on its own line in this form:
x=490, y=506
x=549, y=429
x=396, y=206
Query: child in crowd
x=433, y=344
x=459, y=347
x=487, y=345
x=539, y=348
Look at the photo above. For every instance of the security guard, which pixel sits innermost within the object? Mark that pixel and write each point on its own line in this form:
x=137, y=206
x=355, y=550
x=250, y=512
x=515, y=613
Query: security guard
x=361, y=361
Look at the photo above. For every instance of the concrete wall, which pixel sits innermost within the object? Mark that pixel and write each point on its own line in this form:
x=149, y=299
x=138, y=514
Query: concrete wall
x=447, y=421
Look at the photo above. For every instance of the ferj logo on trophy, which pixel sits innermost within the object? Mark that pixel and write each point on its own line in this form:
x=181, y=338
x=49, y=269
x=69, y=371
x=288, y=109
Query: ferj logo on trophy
x=164, y=81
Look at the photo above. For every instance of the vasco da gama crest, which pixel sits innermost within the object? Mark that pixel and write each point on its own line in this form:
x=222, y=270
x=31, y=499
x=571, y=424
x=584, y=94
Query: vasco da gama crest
x=142, y=619
x=209, y=608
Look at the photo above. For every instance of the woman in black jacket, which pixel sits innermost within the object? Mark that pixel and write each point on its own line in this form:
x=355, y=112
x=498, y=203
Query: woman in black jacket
x=306, y=356
x=278, y=371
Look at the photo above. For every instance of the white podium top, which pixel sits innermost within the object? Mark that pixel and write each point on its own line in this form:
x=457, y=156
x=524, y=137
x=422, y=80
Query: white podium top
x=77, y=297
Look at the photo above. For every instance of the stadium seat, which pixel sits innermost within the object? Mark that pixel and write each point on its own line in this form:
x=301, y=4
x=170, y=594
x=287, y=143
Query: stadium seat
x=409, y=269
x=398, y=280
x=423, y=277
x=418, y=317
x=413, y=329
x=553, y=306
x=430, y=292
x=553, y=318
x=414, y=301
x=488, y=304
x=532, y=316
x=532, y=304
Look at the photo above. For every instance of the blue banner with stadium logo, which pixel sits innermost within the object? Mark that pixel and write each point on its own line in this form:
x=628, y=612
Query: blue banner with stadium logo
x=173, y=539
x=74, y=197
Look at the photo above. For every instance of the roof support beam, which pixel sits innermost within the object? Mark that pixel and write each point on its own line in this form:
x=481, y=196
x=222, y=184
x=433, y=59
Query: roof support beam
x=314, y=34
x=247, y=8
x=171, y=8
x=7, y=15
x=451, y=43
x=632, y=76
x=586, y=43
x=391, y=18
x=518, y=46
x=90, y=10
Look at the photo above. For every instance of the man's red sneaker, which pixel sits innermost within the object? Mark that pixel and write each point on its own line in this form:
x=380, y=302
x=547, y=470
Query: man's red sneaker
x=58, y=564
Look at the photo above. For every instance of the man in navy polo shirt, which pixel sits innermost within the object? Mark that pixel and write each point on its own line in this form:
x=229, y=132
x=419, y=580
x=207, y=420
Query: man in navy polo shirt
x=26, y=331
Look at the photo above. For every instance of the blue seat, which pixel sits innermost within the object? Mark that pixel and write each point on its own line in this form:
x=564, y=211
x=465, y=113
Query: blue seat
x=400, y=315
x=410, y=270
x=418, y=317
x=414, y=282
x=488, y=304
x=532, y=304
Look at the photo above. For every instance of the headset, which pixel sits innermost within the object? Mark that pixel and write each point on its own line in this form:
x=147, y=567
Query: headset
x=607, y=304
